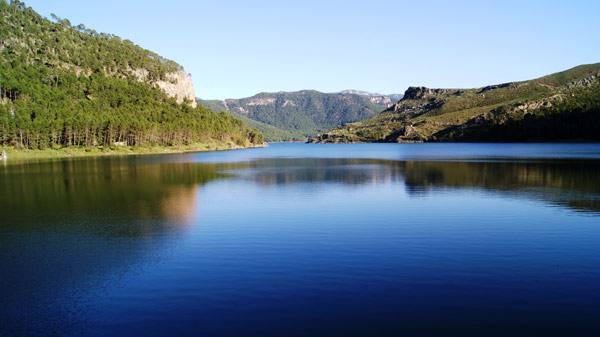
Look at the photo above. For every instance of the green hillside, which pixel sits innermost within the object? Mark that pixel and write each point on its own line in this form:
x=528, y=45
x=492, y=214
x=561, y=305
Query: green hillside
x=69, y=86
x=271, y=133
x=294, y=115
x=561, y=107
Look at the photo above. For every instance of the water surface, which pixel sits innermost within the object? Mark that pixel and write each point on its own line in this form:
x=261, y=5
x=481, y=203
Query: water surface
x=305, y=240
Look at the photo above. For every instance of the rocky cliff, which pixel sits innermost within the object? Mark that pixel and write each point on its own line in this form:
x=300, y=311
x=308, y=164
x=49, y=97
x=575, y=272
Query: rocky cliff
x=180, y=86
x=177, y=84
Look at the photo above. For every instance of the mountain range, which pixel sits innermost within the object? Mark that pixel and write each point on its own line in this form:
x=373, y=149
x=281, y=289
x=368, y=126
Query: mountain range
x=296, y=115
x=564, y=106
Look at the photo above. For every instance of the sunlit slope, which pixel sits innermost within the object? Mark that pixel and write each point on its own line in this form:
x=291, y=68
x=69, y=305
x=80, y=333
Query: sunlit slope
x=561, y=106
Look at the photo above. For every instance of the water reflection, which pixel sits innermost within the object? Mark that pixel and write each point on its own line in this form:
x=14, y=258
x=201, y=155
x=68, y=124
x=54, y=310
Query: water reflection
x=317, y=171
x=69, y=226
x=570, y=183
x=118, y=197
x=111, y=196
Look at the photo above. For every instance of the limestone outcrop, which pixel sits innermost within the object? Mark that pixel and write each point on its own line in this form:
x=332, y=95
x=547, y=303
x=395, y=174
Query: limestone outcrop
x=180, y=86
x=177, y=84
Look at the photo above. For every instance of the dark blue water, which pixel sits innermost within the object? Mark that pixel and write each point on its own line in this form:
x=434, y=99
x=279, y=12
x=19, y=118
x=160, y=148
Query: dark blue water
x=305, y=240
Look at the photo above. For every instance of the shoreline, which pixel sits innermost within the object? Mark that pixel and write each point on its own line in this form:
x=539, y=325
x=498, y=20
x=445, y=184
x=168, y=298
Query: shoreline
x=23, y=155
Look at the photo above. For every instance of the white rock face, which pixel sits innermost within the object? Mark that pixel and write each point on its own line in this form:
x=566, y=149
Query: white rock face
x=180, y=86
x=289, y=103
x=261, y=101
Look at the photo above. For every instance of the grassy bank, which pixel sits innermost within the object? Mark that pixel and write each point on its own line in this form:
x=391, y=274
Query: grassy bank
x=74, y=152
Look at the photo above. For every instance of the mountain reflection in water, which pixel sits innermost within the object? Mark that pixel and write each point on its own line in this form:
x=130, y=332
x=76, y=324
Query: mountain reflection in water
x=122, y=194
x=570, y=183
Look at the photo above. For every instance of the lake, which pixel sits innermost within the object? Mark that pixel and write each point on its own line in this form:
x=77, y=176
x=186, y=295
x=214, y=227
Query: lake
x=305, y=240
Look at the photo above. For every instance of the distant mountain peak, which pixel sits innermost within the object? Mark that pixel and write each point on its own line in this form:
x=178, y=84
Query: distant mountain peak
x=359, y=92
x=368, y=94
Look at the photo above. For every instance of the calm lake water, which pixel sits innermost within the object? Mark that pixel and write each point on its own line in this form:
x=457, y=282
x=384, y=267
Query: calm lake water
x=305, y=240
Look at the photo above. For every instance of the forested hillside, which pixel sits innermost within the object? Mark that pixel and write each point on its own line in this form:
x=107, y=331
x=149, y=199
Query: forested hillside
x=64, y=85
x=294, y=115
x=560, y=107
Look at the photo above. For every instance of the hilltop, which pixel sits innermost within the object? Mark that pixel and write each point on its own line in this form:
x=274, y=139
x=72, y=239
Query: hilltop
x=560, y=107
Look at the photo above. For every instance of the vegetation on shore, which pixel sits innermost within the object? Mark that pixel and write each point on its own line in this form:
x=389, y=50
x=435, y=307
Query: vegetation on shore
x=69, y=86
x=17, y=155
x=272, y=133
x=560, y=107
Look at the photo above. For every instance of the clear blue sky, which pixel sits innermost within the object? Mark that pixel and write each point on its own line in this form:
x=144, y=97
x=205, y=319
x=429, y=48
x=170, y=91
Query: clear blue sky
x=236, y=48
